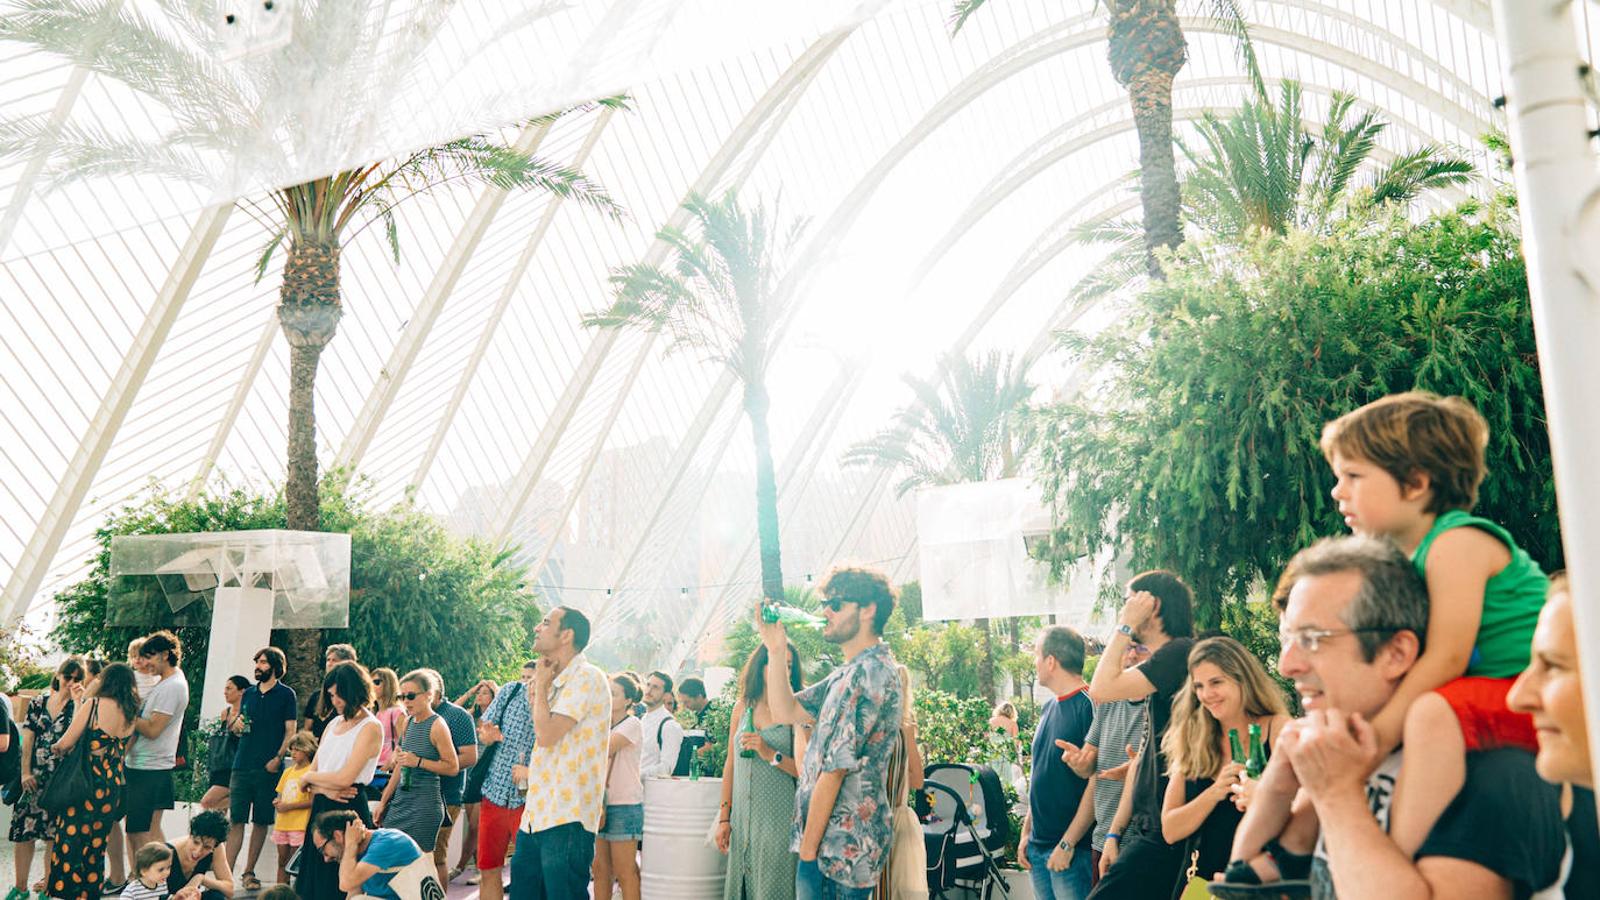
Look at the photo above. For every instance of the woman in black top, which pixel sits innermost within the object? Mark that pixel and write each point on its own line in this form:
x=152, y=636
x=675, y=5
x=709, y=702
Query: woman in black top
x=1228, y=691
x=1552, y=692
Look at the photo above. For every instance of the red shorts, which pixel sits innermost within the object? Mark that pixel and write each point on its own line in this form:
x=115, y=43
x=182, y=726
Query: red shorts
x=497, y=828
x=1486, y=721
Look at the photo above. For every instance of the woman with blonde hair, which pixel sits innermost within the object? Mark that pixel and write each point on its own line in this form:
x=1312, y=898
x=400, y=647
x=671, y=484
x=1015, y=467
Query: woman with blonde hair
x=1229, y=691
x=905, y=875
x=386, y=706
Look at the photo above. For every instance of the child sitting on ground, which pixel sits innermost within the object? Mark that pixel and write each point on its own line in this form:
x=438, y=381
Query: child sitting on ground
x=294, y=802
x=152, y=866
x=1408, y=467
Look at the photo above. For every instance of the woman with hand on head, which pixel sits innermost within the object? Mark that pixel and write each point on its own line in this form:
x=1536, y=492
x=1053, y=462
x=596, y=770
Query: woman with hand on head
x=1229, y=691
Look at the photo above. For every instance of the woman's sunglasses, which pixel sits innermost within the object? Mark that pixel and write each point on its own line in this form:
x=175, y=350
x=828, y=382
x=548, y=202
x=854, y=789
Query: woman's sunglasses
x=409, y=696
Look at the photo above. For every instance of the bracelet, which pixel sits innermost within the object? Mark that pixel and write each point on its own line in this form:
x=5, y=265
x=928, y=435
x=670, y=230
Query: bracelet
x=1113, y=836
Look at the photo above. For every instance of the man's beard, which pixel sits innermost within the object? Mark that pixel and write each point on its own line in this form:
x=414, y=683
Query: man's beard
x=263, y=677
x=839, y=637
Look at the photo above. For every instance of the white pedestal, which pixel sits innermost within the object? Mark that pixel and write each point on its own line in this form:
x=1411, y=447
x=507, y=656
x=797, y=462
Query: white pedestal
x=677, y=862
x=241, y=624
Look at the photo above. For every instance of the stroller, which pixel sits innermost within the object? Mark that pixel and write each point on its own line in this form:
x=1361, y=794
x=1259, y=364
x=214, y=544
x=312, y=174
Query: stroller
x=965, y=829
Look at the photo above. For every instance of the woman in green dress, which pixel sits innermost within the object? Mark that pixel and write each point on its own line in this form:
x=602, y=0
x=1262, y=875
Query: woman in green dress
x=756, y=820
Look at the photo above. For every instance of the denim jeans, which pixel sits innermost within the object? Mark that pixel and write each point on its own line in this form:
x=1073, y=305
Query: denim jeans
x=1070, y=884
x=811, y=884
x=553, y=863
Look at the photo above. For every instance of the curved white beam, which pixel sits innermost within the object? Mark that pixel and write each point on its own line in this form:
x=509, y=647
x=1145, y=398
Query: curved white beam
x=52, y=527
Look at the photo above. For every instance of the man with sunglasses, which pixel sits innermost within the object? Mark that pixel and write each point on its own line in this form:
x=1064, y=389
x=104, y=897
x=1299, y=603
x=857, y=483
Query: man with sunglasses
x=368, y=857
x=842, y=826
x=1354, y=622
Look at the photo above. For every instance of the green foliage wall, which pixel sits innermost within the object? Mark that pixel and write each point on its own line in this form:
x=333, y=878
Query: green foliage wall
x=419, y=596
x=1196, y=449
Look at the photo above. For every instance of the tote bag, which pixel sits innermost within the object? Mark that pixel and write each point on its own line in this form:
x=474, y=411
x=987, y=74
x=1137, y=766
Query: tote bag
x=71, y=783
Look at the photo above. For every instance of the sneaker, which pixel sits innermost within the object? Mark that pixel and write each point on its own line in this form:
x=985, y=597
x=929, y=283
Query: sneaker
x=474, y=876
x=17, y=893
x=107, y=888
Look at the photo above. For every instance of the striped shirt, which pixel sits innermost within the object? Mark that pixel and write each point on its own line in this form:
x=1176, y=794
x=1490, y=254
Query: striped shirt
x=1116, y=725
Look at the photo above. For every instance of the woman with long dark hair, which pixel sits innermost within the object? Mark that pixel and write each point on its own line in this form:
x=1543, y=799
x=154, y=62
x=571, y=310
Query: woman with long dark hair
x=104, y=719
x=1229, y=691
x=224, y=743
x=45, y=722
x=756, y=820
x=346, y=759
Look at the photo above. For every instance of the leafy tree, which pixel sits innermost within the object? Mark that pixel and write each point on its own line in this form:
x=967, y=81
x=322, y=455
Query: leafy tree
x=961, y=426
x=1263, y=169
x=418, y=595
x=719, y=296
x=216, y=111
x=1197, y=448
x=1146, y=48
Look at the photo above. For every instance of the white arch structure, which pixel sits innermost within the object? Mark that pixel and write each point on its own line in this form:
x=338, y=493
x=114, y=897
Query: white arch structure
x=597, y=388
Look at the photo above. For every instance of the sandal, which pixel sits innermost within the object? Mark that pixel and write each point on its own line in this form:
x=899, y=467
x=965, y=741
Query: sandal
x=250, y=881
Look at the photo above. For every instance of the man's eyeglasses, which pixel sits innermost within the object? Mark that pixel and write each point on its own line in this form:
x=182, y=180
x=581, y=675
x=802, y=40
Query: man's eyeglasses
x=1310, y=639
x=408, y=696
x=837, y=603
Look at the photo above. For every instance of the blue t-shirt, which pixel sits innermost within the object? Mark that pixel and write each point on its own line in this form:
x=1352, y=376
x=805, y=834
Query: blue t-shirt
x=268, y=712
x=390, y=848
x=1055, y=790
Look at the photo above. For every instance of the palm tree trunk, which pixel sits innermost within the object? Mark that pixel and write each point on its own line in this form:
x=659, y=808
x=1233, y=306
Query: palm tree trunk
x=1147, y=50
x=986, y=682
x=756, y=403
x=308, y=312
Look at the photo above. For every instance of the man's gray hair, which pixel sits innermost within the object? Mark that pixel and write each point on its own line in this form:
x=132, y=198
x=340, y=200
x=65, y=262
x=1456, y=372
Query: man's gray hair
x=1393, y=596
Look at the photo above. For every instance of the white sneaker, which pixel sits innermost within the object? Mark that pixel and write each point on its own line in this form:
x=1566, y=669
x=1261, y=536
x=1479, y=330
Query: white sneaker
x=473, y=875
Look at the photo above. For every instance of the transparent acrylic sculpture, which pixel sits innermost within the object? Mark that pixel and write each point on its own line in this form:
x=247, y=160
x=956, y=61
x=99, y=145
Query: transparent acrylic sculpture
x=972, y=547
x=173, y=579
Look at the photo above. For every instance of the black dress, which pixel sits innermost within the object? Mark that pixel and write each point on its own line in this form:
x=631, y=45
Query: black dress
x=1214, y=838
x=177, y=881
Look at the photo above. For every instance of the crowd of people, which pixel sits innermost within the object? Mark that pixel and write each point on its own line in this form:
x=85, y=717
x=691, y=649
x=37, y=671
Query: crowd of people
x=1442, y=750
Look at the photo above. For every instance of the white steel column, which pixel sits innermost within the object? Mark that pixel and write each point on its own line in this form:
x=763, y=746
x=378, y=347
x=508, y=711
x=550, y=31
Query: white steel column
x=1558, y=198
x=101, y=432
x=406, y=350
x=241, y=393
x=492, y=325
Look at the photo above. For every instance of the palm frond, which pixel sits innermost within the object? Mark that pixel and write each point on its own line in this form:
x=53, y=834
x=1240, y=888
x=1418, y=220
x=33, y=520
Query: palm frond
x=266, y=253
x=961, y=12
x=1426, y=168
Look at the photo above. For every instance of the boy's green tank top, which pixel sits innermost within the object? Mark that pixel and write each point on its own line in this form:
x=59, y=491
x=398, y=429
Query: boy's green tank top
x=1511, y=600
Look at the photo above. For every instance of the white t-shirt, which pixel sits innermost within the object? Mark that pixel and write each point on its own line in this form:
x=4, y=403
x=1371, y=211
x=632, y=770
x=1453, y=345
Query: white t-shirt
x=658, y=760
x=169, y=696
x=624, y=786
x=335, y=749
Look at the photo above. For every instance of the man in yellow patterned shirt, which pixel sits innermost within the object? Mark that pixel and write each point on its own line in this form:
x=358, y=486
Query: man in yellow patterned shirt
x=571, y=704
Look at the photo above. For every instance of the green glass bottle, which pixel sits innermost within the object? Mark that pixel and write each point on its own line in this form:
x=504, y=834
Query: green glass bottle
x=789, y=615
x=1257, y=763
x=405, y=778
x=694, y=767
x=750, y=726
x=1233, y=745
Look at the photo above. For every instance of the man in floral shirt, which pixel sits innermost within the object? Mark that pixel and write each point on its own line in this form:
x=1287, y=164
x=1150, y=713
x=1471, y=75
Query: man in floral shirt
x=842, y=826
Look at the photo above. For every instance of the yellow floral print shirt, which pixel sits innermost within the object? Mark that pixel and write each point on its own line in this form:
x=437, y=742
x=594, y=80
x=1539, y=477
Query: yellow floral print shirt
x=567, y=782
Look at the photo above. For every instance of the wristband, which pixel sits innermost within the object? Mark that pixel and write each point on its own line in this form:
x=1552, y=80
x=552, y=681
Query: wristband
x=1113, y=836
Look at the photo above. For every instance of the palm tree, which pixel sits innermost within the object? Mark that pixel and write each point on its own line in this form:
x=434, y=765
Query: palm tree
x=962, y=426
x=219, y=115
x=1146, y=48
x=1264, y=169
x=718, y=296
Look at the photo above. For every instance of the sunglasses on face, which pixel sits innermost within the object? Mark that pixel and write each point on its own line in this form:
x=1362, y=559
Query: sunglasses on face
x=837, y=603
x=409, y=696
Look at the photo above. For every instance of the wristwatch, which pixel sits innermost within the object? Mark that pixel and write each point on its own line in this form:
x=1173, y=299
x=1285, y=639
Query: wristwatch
x=1125, y=629
x=1064, y=846
x=777, y=757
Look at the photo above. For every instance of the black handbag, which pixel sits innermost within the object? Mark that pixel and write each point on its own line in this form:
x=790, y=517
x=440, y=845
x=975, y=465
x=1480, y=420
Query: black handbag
x=72, y=783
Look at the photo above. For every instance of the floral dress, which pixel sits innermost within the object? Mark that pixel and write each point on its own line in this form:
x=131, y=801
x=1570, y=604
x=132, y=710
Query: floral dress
x=28, y=821
x=78, y=855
